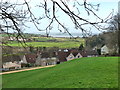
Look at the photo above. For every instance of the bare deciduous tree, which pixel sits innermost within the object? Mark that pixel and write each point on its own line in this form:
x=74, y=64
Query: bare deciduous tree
x=13, y=16
x=114, y=23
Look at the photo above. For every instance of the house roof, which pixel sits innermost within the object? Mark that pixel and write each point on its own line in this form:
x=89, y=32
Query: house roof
x=53, y=54
x=102, y=45
x=11, y=58
x=92, y=52
x=75, y=52
x=83, y=53
x=31, y=58
x=45, y=55
x=105, y=46
x=62, y=56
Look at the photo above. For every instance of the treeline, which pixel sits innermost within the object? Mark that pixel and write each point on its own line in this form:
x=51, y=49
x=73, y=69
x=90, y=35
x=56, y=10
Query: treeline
x=106, y=38
x=8, y=50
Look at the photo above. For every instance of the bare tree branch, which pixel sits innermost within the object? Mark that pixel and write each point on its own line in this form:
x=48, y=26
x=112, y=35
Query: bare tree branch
x=13, y=19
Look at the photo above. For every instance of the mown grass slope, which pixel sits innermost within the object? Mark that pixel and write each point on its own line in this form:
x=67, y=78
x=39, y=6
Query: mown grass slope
x=94, y=72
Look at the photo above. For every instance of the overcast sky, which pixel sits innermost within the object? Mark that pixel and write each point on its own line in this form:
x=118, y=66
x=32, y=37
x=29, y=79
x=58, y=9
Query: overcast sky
x=106, y=7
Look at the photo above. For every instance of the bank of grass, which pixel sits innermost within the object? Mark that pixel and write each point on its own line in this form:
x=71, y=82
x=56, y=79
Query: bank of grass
x=71, y=44
x=94, y=72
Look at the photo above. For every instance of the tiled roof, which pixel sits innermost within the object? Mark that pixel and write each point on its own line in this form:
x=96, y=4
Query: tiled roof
x=75, y=53
x=83, y=53
x=11, y=58
x=92, y=52
x=31, y=58
x=45, y=55
x=62, y=56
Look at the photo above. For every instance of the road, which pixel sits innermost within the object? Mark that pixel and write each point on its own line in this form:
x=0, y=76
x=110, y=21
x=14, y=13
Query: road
x=26, y=69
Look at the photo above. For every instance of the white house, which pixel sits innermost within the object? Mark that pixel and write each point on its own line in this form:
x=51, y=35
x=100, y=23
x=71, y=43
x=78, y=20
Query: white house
x=73, y=55
x=45, y=59
x=11, y=62
x=70, y=57
x=78, y=55
x=104, y=50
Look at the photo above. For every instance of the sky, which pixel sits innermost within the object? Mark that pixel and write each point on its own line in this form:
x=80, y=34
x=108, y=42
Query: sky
x=106, y=7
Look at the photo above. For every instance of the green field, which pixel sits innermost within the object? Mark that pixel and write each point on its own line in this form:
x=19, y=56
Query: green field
x=50, y=44
x=59, y=42
x=92, y=72
x=38, y=41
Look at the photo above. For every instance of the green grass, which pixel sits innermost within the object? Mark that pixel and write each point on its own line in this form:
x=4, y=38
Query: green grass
x=43, y=38
x=94, y=72
x=51, y=42
x=57, y=39
x=69, y=44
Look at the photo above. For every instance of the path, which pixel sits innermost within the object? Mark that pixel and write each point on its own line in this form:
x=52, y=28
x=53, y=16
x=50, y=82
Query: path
x=25, y=69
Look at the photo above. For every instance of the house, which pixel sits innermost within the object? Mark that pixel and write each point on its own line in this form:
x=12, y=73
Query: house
x=39, y=59
x=29, y=59
x=92, y=53
x=12, y=39
x=46, y=58
x=15, y=39
x=11, y=62
x=67, y=55
x=70, y=57
x=83, y=53
x=73, y=55
x=104, y=50
x=62, y=54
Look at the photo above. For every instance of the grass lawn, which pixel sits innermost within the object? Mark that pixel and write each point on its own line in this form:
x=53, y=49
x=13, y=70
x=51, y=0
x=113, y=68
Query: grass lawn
x=93, y=72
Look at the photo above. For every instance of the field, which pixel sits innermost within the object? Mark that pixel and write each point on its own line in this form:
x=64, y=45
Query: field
x=52, y=42
x=92, y=72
